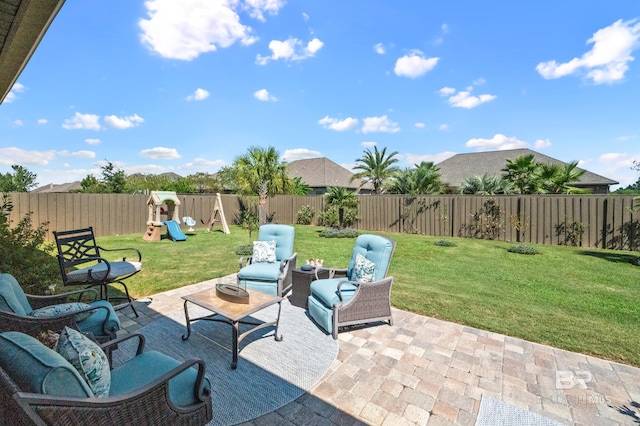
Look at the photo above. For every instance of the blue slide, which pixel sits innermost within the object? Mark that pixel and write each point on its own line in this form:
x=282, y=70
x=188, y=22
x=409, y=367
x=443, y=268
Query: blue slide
x=173, y=228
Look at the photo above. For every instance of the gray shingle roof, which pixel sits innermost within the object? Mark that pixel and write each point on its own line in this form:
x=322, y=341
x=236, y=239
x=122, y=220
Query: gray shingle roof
x=322, y=172
x=462, y=166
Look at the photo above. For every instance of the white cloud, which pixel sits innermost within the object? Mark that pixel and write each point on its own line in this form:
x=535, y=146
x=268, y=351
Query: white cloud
x=617, y=166
x=11, y=96
x=499, y=142
x=607, y=61
x=464, y=99
x=379, y=124
x=146, y=169
x=18, y=123
x=542, y=143
x=201, y=164
x=42, y=121
x=300, y=154
x=198, y=95
x=419, y=125
x=160, y=153
x=414, y=65
x=92, y=141
x=443, y=127
x=123, y=122
x=264, y=95
x=13, y=155
x=447, y=91
x=369, y=144
x=305, y=16
x=77, y=154
x=419, y=158
x=186, y=29
x=625, y=138
x=445, y=28
x=615, y=157
x=82, y=121
x=338, y=125
x=258, y=7
x=379, y=49
x=291, y=49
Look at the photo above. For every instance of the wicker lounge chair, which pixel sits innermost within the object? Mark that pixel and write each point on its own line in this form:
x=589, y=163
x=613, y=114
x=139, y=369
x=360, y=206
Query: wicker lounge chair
x=271, y=277
x=17, y=312
x=336, y=302
x=38, y=386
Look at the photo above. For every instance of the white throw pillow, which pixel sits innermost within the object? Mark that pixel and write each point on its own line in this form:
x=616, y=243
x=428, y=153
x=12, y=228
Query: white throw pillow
x=264, y=251
x=363, y=269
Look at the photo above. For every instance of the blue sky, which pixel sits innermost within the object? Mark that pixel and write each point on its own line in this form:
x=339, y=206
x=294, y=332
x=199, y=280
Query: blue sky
x=187, y=86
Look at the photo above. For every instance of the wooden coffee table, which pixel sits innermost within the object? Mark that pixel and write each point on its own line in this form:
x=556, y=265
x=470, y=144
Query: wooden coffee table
x=233, y=313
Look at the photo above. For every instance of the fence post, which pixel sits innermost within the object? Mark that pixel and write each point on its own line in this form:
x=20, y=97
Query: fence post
x=605, y=208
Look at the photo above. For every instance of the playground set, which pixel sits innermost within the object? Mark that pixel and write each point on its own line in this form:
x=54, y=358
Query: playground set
x=167, y=203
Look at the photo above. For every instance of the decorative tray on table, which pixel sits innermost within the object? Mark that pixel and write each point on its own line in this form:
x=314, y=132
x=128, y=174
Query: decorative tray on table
x=232, y=293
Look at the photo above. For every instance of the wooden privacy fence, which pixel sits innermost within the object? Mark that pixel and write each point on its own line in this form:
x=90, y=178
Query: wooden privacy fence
x=606, y=221
x=109, y=214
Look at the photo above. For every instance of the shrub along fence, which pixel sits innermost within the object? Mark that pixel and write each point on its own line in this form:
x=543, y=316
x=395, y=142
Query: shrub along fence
x=605, y=221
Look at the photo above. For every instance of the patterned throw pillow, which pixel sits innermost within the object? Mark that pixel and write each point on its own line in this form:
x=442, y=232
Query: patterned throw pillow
x=63, y=309
x=363, y=269
x=264, y=251
x=88, y=358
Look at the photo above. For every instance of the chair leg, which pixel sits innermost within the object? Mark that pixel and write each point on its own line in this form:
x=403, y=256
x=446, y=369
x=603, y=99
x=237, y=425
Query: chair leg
x=129, y=300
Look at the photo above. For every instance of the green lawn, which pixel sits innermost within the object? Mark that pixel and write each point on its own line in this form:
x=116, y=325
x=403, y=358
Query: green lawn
x=583, y=300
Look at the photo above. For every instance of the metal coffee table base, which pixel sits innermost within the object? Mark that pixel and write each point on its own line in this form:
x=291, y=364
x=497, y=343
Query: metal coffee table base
x=236, y=337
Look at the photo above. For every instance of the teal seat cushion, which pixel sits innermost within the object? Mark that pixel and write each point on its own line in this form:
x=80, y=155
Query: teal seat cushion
x=38, y=369
x=322, y=315
x=326, y=291
x=98, y=272
x=148, y=366
x=260, y=272
x=93, y=323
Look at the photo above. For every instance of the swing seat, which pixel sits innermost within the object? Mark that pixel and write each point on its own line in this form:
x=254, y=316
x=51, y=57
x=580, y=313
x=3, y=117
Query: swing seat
x=189, y=221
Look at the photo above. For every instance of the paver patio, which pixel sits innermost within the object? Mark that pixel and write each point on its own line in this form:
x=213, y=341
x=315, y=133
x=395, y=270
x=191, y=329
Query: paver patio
x=427, y=371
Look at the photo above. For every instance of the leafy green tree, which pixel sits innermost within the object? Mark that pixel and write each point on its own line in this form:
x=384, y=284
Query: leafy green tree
x=487, y=184
x=343, y=200
x=114, y=180
x=91, y=185
x=204, y=183
x=258, y=172
x=521, y=173
x=21, y=180
x=376, y=167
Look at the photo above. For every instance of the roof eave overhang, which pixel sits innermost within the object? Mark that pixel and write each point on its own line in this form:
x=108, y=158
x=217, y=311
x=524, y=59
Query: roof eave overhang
x=31, y=22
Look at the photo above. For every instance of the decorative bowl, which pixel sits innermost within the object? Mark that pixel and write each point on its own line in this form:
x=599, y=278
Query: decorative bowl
x=306, y=267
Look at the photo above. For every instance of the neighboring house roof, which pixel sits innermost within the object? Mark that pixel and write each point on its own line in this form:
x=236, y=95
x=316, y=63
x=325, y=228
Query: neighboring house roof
x=322, y=173
x=23, y=23
x=63, y=187
x=463, y=166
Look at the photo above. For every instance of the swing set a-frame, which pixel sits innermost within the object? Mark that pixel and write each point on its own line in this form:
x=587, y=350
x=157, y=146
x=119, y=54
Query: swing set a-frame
x=217, y=216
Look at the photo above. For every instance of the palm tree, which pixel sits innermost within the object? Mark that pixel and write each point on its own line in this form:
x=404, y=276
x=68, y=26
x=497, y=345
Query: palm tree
x=342, y=199
x=521, y=173
x=423, y=179
x=487, y=184
x=299, y=187
x=376, y=167
x=260, y=172
x=569, y=174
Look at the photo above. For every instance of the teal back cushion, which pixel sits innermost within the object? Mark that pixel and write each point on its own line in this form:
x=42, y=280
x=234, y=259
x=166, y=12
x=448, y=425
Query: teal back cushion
x=12, y=297
x=283, y=236
x=376, y=249
x=36, y=368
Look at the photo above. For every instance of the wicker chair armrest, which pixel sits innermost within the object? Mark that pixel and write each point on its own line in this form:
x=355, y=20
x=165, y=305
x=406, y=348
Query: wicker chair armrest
x=38, y=301
x=332, y=272
x=148, y=405
x=285, y=264
x=111, y=344
x=374, y=290
x=124, y=259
